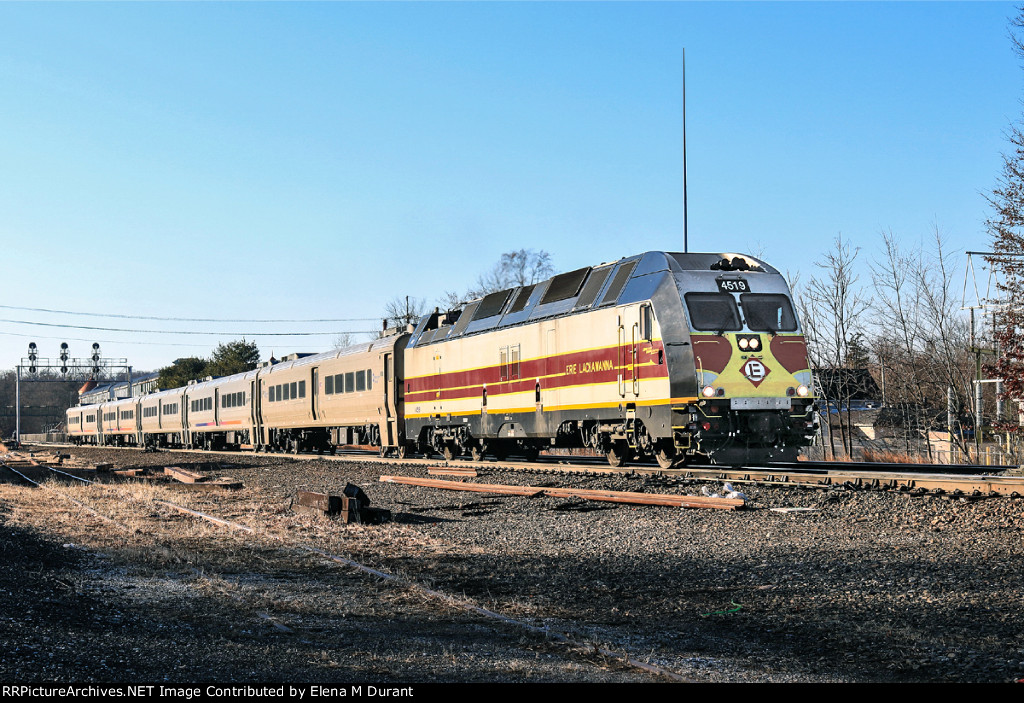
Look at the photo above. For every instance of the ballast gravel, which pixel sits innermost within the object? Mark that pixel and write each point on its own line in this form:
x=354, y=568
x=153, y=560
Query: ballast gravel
x=858, y=586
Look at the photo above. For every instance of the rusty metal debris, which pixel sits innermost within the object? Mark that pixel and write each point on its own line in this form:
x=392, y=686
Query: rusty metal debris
x=351, y=507
x=664, y=499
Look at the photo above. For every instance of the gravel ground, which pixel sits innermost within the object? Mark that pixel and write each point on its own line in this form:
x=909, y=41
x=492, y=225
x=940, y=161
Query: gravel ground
x=867, y=586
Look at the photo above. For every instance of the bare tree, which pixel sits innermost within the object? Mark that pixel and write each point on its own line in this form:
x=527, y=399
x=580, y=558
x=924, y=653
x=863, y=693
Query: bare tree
x=402, y=311
x=515, y=268
x=921, y=342
x=831, y=307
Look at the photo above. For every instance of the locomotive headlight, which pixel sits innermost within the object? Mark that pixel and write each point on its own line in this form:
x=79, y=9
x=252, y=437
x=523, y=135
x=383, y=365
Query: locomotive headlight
x=708, y=392
x=803, y=391
x=744, y=343
x=755, y=343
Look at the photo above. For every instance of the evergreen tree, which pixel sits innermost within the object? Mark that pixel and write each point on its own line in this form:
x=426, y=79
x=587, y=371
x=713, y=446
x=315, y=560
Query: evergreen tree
x=182, y=371
x=231, y=358
x=234, y=357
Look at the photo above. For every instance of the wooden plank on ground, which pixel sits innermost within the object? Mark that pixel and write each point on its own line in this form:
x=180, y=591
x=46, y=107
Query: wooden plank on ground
x=184, y=475
x=664, y=499
x=219, y=484
x=124, y=472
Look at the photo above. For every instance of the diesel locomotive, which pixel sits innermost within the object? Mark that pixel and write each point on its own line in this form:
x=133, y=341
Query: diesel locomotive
x=670, y=356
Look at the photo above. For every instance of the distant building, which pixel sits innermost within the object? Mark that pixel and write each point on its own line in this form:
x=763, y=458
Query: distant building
x=847, y=389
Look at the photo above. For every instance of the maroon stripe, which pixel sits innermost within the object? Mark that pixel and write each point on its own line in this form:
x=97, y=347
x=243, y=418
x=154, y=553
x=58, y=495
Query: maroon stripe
x=577, y=368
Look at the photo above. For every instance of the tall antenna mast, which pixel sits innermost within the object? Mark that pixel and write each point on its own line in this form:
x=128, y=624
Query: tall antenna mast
x=686, y=229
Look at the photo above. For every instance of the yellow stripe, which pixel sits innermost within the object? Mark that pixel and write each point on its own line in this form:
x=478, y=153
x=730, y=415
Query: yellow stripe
x=547, y=408
x=523, y=361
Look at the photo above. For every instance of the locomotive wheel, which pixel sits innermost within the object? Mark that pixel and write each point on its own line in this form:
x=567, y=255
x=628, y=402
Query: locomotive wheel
x=499, y=449
x=476, y=452
x=531, y=453
x=665, y=454
x=448, y=451
x=401, y=451
x=384, y=451
x=619, y=453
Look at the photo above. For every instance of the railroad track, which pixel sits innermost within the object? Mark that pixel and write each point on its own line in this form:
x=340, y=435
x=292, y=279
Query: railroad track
x=935, y=479
x=257, y=534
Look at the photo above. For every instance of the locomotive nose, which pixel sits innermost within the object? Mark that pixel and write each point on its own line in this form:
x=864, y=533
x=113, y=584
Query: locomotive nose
x=765, y=424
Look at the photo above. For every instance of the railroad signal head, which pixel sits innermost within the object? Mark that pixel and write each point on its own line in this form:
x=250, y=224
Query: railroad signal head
x=64, y=351
x=32, y=351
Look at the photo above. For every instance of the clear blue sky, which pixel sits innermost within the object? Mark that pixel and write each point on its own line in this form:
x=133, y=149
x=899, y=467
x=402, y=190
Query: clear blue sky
x=293, y=160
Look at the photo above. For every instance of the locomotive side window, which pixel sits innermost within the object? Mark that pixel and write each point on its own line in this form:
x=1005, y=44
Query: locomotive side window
x=350, y=382
x=618, y=283
x=713, y=312
x=329, y=385
x=646, y=323
x=592, y=287
x=369, y=379
x=360, y=381
x=768, y=312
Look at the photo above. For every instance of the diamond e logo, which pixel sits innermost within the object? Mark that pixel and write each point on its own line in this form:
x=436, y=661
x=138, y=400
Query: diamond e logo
x=755, y=371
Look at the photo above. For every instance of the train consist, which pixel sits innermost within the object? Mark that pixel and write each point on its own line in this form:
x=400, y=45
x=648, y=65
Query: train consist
x=662, y=355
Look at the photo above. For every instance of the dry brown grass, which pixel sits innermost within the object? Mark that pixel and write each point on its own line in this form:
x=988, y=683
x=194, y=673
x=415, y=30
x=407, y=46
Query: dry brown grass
x=882, y=457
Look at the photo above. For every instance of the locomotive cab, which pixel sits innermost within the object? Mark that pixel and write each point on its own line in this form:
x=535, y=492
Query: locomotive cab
x=752, y=397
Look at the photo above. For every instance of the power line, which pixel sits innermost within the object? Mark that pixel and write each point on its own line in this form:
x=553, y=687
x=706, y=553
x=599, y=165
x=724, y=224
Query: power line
x=181, y=319
x=194, y=345
x=220, y=334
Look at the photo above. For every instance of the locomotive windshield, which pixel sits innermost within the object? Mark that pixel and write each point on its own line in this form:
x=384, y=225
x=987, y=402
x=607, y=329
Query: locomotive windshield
x=713, y=312
x=768, y=312
x=762, y=312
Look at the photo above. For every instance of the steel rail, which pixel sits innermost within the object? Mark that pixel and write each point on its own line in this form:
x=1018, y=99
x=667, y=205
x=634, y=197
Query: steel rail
x=817, y=475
